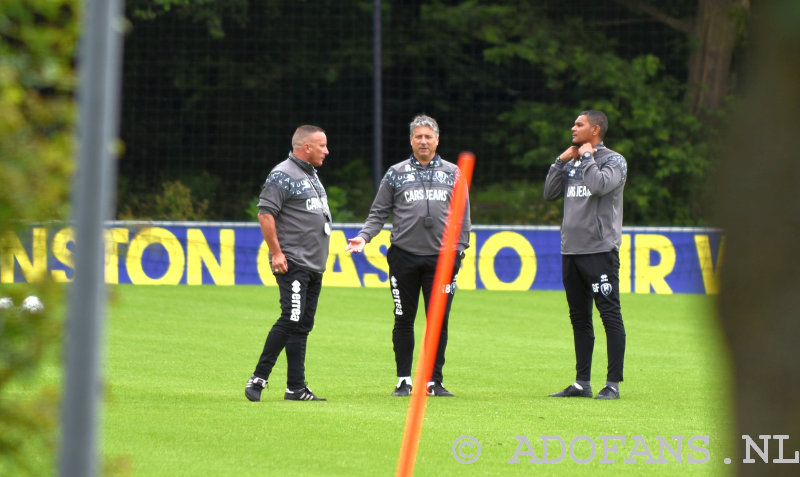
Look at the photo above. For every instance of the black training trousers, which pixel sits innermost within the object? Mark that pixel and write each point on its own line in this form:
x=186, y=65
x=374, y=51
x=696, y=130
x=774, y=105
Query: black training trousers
x=593, y=279
x=299, y=293
x=408, y=274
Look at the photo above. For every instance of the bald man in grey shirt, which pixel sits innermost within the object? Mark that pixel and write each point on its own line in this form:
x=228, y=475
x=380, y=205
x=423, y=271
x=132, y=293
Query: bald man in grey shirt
x=296, y=225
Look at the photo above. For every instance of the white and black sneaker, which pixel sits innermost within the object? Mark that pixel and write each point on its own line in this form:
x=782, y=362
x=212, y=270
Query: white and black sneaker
x=402, y=389
x=608, y=392
x=574, y=390
x=302, y=394
x=254, y=387
x=435, y=388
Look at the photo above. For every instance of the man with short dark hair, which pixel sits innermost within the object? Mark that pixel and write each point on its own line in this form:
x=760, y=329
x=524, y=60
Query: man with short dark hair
x=296, y=224
x=590, y=178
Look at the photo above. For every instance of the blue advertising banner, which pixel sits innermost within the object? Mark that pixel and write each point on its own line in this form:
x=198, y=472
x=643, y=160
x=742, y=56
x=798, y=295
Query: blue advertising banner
x=652, y=260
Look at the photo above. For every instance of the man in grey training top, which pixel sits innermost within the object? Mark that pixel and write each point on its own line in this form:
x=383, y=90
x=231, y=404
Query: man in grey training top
x=590, y=177
x=417, y=191
x=296, y=224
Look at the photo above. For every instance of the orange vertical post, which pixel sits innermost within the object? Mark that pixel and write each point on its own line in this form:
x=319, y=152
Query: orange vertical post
x=427, y=355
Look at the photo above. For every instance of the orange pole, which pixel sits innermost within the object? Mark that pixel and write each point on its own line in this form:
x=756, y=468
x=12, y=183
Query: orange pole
x=427, y=355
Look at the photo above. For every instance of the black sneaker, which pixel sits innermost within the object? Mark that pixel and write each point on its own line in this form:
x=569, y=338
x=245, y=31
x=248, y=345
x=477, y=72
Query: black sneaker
x=608, y=392
x=403, y=389
x=254, y=387
x=302, y=394
x=573, y=391
x=436, y=389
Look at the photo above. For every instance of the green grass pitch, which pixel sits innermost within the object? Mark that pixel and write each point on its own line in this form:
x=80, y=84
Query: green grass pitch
x=177, y=360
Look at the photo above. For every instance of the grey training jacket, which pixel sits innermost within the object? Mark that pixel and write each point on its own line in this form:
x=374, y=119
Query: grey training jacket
x=411, y=192
x=296, y=198
x=592, y=191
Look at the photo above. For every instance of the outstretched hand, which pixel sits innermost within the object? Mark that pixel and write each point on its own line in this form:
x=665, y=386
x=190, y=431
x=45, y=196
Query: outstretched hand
x=355, y=245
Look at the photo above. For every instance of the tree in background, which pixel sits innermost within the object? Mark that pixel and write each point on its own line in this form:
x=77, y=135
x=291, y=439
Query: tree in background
x=215, y=86
x=713, y=31
x=580, y=57
x=37, y=49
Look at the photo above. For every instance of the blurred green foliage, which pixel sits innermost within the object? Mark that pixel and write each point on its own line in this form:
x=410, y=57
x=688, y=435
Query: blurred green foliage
x=667, y=148
x=516, y=202
x=182, y=198
x=38, y=42
x=521, y=71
